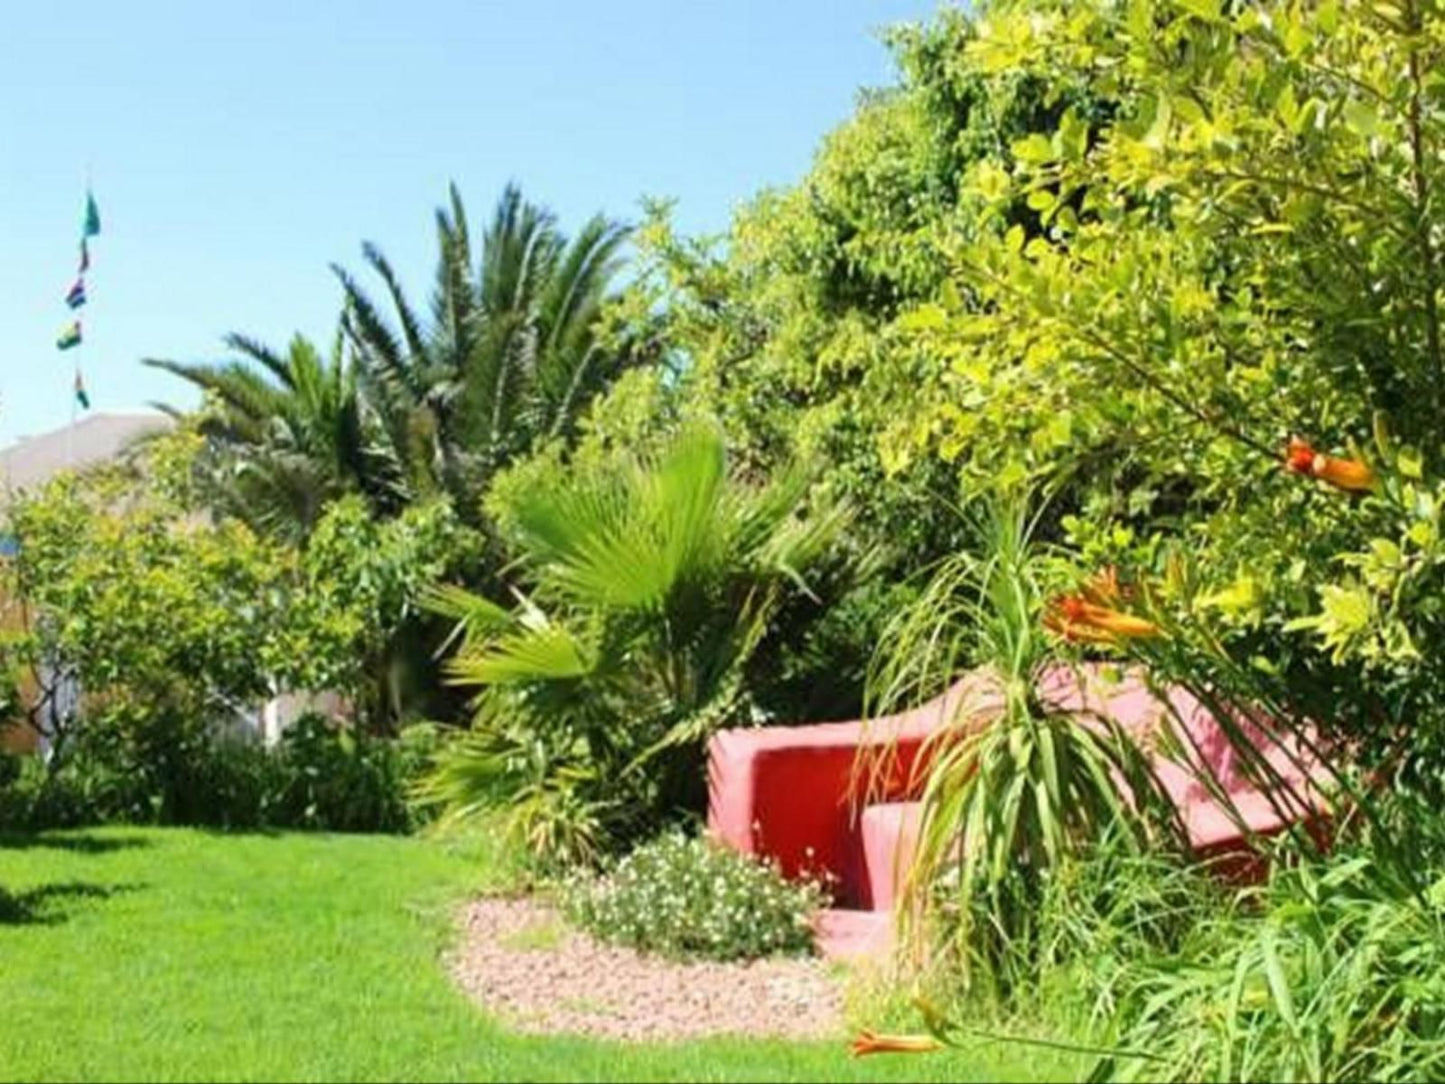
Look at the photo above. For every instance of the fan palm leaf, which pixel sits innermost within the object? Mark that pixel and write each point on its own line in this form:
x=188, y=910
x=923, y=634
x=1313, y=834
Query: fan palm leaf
x=656, y=579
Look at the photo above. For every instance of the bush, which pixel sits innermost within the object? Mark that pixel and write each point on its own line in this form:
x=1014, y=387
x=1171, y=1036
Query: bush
x=34, y=799
x=651, y=583
x=344, y=782
x=687, y=898
x=319, y=777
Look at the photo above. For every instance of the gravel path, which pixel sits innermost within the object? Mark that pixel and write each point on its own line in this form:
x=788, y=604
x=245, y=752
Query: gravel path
x=518, y=958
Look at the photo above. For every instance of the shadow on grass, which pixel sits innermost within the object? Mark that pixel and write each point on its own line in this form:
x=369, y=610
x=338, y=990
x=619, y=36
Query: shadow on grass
x=52, y=904
x=77, y=844
x=258, y=831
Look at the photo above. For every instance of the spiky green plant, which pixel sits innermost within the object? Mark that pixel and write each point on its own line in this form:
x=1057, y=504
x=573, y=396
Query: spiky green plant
x=1012, y=785
x=652, y=582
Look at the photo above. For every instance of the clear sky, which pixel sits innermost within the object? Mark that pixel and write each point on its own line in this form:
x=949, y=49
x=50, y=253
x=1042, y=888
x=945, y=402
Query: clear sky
x=236, y=149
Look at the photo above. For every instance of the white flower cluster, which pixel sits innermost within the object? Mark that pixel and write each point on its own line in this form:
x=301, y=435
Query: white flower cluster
x=685, y=897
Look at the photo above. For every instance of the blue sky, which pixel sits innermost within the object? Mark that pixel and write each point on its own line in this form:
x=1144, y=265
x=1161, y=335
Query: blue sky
x=237, y=149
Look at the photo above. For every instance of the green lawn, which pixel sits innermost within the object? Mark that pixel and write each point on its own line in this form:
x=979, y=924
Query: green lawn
x=186, y=955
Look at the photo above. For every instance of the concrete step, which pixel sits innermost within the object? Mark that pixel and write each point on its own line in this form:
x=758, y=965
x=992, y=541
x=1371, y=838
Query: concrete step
x=849, y=935
x=889, y=832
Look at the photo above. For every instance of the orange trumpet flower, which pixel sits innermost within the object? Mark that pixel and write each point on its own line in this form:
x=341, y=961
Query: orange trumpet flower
x=1104, y=588
x=1074, y=617
x=1350, y=475
x=869, y=1042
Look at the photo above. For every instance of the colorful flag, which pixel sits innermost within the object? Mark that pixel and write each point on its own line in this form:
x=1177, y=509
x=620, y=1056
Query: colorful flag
x=80, y=396
x=69, y=337
x=92, y=216
x=76, y=297
x=84, y=256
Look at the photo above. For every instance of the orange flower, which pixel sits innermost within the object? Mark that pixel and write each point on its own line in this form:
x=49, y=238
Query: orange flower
x=1074, y=617
x=1348, y=474
x=1299, y=456
x=869, y=1042
x=1104, y=589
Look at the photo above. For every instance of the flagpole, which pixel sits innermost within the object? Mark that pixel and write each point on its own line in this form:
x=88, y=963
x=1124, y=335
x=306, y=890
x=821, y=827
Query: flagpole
x=70, y=429
x=73, y=338
x=79, y=350
x=70, y=451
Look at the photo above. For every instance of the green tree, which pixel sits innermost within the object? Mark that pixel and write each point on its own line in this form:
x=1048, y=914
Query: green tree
x=171, y=625
x=794, y=328
x=1242, y=250
x=517, y=343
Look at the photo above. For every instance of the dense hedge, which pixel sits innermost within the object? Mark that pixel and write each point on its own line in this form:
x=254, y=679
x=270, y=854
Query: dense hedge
x=317, y=777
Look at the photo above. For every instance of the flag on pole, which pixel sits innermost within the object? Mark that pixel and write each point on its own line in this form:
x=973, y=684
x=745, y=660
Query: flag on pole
x=92, y=216
x=84, y=256
x=76, y=297
x=80, y=396
x=69, y=336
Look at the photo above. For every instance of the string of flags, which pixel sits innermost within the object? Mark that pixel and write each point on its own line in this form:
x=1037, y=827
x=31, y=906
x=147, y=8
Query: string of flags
x=71, y=334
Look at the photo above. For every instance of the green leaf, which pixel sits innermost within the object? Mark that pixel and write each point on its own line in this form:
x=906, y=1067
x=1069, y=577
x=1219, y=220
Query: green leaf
x=1207, y=10
x=1278, y=983
x=1041, y=199
x=1035, y=149
x=1360, y=117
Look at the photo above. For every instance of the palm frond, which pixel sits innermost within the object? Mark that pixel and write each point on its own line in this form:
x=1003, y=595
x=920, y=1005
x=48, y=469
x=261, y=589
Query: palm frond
x=549, y=653
x=410, y=325
x=262, y=354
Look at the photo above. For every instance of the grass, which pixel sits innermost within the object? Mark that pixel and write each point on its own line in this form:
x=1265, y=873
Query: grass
x=187, y=955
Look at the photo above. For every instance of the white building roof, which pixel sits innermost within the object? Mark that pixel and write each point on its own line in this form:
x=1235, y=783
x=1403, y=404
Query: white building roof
x=32, y=461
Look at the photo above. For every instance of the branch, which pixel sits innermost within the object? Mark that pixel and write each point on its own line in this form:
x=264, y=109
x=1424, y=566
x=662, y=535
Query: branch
x=1422, y=211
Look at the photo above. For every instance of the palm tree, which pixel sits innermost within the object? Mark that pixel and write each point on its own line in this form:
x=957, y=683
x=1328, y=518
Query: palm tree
x=511, y=352
x=408, y=407
x=654, y=582
x=287, y=433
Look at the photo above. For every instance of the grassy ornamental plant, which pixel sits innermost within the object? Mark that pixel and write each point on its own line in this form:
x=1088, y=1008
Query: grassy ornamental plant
x=1337, y=973
x=1009, y=795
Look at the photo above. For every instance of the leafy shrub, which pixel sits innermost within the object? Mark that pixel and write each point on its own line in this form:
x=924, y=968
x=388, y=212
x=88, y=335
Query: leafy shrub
x=334, y=779
x=135, y=762
x=320, y=776
x=34, y=799
x=686, y=897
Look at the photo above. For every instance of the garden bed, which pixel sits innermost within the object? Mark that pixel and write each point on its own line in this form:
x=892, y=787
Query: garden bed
x=521, y=961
